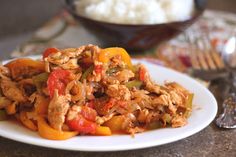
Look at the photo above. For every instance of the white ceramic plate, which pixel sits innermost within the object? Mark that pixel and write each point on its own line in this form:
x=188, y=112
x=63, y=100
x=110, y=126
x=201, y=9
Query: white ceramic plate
x=201, y=117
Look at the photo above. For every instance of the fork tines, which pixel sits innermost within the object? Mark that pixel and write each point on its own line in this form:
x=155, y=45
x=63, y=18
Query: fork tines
x=203, y=56
x=206, y=60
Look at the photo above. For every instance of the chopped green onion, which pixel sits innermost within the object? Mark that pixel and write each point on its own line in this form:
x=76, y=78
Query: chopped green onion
x=134, y=83
x=4, y=101
x=38, y=80
x=87, y=72
x=154, y=125
x=43, y=77
x=111, y=71
x=3, y=115
x=188, y=105
x=167, y=118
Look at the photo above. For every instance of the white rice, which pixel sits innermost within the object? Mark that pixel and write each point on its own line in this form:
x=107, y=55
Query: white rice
x=136, y=11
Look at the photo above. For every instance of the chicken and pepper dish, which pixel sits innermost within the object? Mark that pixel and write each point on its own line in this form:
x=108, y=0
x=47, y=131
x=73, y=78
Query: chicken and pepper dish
x=88, y=91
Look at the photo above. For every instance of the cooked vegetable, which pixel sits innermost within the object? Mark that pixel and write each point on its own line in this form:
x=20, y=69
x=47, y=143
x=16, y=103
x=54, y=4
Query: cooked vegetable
x=113, y=70
x=115, y=123
x=142, y=73
x=166, y=118
x=49, y=51
x=88, y=113
x=108, y=53
x=48, y=132
x=3, y=115
x=82, y=125
x=4, y=102
x=134, y=83
x=25, y=67
x=41, y=105
x=103, y=131
x=87, y=72
x=27, y=122
x=58, y=79
x=11, y=108
x=188, y=105
x=154, y=125
x=39, y=80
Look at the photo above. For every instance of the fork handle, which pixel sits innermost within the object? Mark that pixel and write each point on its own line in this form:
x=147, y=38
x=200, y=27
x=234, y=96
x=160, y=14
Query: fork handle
x=233, y=73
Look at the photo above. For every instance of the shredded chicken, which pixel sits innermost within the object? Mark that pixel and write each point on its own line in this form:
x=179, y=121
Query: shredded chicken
x=149, y=85
x=73, y=112
x=4, y=71
x=57, y=110
x=120, y=92
x=178, y=121
x=68, y=58
x=101, y=120
x=124, y=75
x=12, y=91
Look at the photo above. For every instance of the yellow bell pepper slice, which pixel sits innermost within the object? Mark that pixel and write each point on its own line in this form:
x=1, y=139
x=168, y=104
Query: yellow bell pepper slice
x=103, y=131
x=106, y=54
x=48, y=132
x=27, y=122
x=115, y=123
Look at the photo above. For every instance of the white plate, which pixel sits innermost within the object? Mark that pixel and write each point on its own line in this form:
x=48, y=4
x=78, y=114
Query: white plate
x=201, y=117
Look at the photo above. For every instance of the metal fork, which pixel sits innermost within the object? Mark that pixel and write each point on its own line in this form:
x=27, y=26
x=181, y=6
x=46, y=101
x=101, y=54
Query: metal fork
x=228, y=118
x=207, y=63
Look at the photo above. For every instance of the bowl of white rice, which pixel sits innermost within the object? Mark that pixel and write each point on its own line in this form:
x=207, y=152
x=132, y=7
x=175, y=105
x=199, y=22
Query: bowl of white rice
x=136, y=25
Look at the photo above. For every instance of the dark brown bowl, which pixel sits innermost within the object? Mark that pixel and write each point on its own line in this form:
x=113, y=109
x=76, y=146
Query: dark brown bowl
x=135, y=38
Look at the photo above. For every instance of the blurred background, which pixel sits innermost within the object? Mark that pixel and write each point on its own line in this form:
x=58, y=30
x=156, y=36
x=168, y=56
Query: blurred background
x=18, y=20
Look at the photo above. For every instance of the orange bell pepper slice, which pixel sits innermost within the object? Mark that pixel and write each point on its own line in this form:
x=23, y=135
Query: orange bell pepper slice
x=24, y=66
x=41, y=107
x=48, y=132
x=103, y=131
x=115, y=123
x=27, y=122
x=106, y=54
x=11, y=108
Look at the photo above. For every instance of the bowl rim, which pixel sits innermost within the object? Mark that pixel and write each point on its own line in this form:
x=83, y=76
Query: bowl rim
x=197, y=13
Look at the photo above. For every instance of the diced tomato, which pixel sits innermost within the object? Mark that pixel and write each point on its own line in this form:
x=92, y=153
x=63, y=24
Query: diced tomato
x=88, y=113
x=142, y=73
x=58, y=79
x=98, y=69
x=109, y=105
x=90, y=104
x=82, y=125
x=103, y=106
x=49, y=51
x=122, y=103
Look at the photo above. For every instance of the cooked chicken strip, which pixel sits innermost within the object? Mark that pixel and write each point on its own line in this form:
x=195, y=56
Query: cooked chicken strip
x=11, y=91
x=57, y=110
x=120, y=92
x=124, y=75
